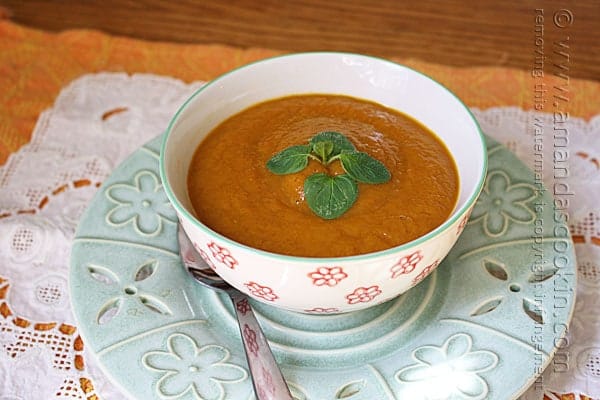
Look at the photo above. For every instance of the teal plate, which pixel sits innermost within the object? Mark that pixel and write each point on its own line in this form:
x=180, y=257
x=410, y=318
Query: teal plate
x=484, y=325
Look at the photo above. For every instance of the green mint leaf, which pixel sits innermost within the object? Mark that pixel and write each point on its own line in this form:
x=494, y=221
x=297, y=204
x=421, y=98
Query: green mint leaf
x=330, y=196
x=340, y=142
x=288, y=161
x=323, y=150
x=364, y=168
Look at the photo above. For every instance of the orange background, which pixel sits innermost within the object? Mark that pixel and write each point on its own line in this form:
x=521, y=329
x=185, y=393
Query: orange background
x=35, y=65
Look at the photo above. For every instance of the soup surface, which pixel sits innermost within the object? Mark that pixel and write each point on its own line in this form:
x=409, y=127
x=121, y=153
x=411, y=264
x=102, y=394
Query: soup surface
x=234, y=193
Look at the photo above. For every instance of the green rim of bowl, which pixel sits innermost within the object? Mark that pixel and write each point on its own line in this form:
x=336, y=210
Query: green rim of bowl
x=392, y=250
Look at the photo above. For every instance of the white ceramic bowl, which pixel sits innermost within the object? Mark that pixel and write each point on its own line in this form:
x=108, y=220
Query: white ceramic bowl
x=323, y=285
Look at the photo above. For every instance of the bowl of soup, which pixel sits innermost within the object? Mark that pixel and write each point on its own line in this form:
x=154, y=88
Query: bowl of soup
x=323, y=182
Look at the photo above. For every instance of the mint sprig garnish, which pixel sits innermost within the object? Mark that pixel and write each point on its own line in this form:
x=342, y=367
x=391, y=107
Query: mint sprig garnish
x=364, y=168
x=291, y=160
x=330, y=196
x=338, y=141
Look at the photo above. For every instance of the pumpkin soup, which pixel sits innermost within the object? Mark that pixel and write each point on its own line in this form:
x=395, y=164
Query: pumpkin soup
x=234, y=190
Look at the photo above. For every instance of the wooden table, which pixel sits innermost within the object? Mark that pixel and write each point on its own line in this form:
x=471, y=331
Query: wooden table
x=476, y=33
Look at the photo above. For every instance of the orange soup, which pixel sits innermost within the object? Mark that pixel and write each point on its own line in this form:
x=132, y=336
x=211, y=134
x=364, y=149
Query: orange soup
x=235, y=194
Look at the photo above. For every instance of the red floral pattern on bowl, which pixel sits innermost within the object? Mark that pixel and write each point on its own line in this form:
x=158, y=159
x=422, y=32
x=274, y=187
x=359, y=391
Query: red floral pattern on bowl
x=222, y=255
x=463, y=224
x=363, y=294
x=329, y=276
x=205, y=257
x=426, y=271
x=264, y=292
x=406, y=264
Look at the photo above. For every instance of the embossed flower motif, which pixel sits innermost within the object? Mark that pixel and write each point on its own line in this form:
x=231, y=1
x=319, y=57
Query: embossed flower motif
x=143, y=204
x=222, y=255
x=426, y=271
x=250, y=336
x=264, y=292
x=187, y=368
x=406, y=264
x=127, y=295
x=519, y=284
x=448, y=370
x=502, y=202
x=363, y=294
x=327, y=276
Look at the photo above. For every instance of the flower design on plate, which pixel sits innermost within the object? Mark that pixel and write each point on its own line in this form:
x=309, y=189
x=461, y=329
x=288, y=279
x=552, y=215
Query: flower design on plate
x=222, y=255
x=329, y=276
x=406, y=264
x=449, y=370
x=251, y=343
x=127, y=292
x=187, y=368
x=426, y=271
x=264, y=292
x=502, y=202
x=143, y=204
x=363, y=294
x=517, y=284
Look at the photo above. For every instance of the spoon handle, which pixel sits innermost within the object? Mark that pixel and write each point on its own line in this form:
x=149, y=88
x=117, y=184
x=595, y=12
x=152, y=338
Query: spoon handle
x=266, y=376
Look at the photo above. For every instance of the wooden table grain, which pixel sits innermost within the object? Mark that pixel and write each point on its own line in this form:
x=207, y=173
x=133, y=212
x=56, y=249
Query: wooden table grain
x=513, y=33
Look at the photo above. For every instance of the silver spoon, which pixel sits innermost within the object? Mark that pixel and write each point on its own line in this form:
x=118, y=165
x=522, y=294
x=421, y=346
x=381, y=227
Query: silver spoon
x=267, y=379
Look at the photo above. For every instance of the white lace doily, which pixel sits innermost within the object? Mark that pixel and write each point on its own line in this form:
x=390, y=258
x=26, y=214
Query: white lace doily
x=100, y=119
